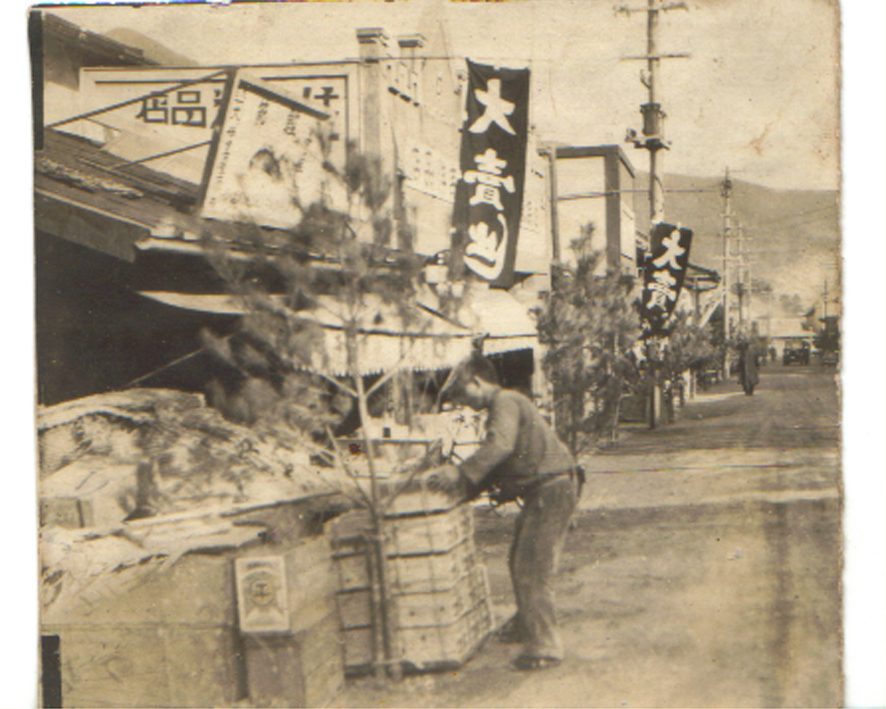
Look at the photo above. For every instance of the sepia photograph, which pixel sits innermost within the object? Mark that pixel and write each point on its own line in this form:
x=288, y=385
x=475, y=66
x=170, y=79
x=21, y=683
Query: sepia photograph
x=440, y=353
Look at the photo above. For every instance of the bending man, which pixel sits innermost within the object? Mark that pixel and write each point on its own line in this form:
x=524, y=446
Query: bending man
x=523, y=459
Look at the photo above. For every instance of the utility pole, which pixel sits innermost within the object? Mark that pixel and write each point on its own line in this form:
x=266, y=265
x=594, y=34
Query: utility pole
x=653, y=140
x=740, y=278
x=726, y=194
x=653, y=115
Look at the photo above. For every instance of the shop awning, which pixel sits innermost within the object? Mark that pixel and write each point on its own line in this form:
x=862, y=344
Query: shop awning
x=503, y=322
x=388, y=335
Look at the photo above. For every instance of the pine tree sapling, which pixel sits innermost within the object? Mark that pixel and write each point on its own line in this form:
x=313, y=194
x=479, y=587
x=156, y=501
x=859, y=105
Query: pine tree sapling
x=588, y=326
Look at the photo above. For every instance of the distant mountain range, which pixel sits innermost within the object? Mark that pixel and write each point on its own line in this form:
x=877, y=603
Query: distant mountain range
x=793, y=236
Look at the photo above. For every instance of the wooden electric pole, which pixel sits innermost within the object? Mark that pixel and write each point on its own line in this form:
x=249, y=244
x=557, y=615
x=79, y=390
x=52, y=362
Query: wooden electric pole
x=726, y=194
x=653, y=140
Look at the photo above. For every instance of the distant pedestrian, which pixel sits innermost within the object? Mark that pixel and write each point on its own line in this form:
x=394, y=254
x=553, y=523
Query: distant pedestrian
x=520, y=459
x=747, y=368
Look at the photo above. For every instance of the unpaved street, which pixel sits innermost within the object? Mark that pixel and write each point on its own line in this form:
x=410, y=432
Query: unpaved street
x=703, y=570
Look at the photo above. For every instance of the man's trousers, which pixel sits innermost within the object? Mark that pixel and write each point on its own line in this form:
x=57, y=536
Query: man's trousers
x=535, y=551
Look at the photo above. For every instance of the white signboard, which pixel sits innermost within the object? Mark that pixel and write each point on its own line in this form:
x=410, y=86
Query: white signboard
x=262, y=598
x=267, y=166
x=163, y=110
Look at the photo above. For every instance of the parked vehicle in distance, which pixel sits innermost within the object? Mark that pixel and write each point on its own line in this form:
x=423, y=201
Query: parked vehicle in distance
x=796, y=352
x=831, y=358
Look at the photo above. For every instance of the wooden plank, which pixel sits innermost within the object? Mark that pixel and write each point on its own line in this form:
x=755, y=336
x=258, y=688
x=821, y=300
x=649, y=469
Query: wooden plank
x=325, y=682
x=321, y=644
x=61, y=512
x=273, y=668
x=202, y=667
x=196, y=590
x=87, y=225
x=311, y=580
x=427, y=572
x=355, y=608
x=151, y=666
x=296, y=670
x=423, y=534
x=119, y=667
x=447, y=645
x=441, y=607
x=417, y=500
x=409, y=574
x=358, y=648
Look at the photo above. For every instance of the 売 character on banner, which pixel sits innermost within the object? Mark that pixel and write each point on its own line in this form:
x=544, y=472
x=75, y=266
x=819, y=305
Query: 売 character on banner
x=489, y=180
x=522, y=459
x=661, y=289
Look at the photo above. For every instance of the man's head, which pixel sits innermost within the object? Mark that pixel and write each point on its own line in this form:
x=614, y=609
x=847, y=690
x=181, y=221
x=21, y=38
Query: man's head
x=475, y=382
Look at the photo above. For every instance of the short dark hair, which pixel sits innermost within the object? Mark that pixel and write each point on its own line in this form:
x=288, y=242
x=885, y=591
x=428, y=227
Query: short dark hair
x=476, y=366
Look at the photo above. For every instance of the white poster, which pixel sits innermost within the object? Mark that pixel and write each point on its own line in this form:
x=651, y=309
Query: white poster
x=269, y=163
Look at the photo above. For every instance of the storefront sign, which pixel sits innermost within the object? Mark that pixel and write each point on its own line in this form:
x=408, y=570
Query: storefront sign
x=430, y=171
x=666, y=266
x=170, y=108
x=489, y=194
x=267, y=165
x=262, y=599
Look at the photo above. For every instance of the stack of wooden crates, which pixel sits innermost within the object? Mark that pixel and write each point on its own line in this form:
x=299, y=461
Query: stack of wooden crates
x=438, y=592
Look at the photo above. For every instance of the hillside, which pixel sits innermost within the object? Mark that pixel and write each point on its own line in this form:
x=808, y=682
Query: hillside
x=795, y=233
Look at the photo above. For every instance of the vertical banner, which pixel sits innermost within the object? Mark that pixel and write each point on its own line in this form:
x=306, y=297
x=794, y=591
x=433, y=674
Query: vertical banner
x=489, y=193
x=665, y=272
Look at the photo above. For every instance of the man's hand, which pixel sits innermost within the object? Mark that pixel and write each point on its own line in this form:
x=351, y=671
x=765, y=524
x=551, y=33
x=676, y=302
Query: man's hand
x=446, y=479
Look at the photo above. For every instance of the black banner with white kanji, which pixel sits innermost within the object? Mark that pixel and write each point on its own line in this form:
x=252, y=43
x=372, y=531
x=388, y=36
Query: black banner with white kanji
x=489, y=193
x=666, y=266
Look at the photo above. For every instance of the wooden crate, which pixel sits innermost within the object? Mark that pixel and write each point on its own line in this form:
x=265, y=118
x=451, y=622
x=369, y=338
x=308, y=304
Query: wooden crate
x=167, y=636
x=408, y=574
x=304, y=667
x=404, y=535
x=441, y=606
x=87, y=493
x=417, y=498
x=301, y=670
x=148, y=665
x=426, y=647
x=428, y=533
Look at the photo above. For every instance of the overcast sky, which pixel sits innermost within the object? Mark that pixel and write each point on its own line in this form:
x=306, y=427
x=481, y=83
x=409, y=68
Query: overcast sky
x=759, y=93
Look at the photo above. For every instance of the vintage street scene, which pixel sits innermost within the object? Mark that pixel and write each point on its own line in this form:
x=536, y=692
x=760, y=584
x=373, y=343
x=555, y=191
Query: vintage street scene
x=439, y=354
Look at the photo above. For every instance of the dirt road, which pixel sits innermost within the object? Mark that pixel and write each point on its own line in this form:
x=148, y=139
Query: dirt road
x=703, y=570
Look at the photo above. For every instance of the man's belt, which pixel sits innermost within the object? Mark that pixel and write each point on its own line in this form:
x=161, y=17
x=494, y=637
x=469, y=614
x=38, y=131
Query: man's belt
x=502, y=494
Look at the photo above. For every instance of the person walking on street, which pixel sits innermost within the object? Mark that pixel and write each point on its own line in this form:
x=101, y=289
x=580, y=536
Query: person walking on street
x=520, y=459
x=747, y=368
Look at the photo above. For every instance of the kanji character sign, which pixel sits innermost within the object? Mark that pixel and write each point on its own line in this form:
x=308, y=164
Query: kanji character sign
x=489, y=193
x=665, y=272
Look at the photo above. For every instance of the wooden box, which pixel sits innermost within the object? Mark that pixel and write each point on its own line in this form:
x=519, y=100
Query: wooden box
x=426, y=647
x=157, y=635
x=440, y=606
x=301, y=670
x=408, y=574
x=406, y=535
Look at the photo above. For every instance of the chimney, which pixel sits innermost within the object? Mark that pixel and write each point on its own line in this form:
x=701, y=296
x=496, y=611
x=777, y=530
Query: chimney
x=373, y=44
x=409, y=43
